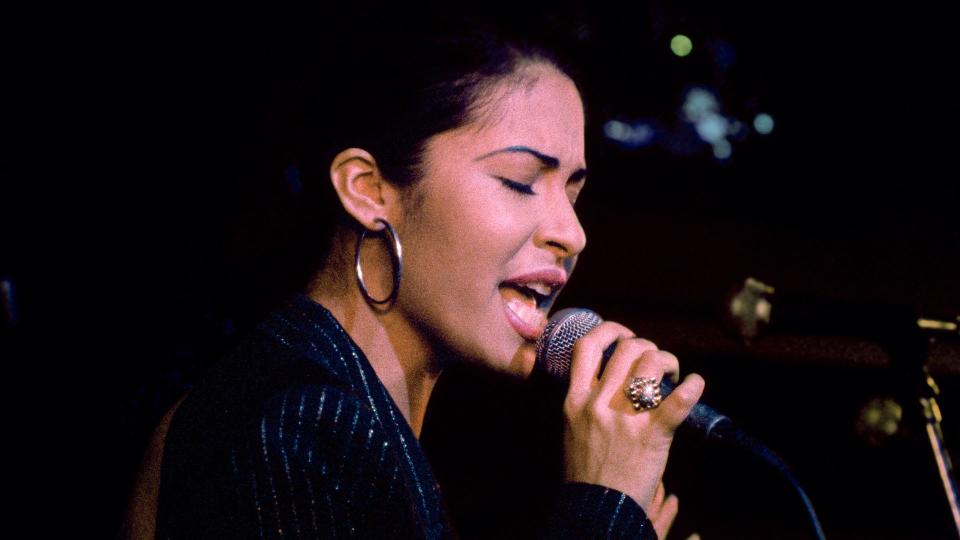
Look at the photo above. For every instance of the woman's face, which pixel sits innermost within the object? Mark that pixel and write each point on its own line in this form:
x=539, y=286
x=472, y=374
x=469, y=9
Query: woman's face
x=492, y=222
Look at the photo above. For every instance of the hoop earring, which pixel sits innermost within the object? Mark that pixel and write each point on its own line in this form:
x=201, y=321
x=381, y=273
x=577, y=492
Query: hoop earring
x=396, y=254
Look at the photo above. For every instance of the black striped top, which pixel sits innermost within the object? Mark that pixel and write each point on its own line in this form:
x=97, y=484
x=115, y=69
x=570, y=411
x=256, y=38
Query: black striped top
x=292, y=435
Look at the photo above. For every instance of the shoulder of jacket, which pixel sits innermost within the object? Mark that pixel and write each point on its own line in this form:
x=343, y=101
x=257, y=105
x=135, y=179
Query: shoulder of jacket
x=317, y=418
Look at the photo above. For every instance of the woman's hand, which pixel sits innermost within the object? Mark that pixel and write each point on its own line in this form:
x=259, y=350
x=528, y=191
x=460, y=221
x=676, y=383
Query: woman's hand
x=607, y=442
x=663, y=510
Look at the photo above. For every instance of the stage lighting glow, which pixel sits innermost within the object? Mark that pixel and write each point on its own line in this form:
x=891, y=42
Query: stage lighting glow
x=702, y=109
x=616, y=130
x=763, y=123
x=630, y=136
x=681, y=45
x=712, y=127
x=722, y=149
x=699, y=103
x=878, y=420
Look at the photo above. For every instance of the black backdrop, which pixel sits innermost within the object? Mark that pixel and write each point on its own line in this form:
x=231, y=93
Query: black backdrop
x=146, y=203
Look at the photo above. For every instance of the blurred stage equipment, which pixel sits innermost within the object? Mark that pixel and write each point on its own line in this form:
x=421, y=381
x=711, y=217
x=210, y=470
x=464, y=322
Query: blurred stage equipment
x=756, y=309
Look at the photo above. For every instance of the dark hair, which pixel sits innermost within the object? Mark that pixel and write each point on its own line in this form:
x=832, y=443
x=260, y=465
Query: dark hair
x=387, y=82
x=393, y=85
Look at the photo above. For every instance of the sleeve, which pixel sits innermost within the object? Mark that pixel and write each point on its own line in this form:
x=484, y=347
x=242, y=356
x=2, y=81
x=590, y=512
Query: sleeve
x=320, y=467
x=590, y=511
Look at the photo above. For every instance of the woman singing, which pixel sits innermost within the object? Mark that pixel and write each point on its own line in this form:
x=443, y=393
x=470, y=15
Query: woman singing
x=456, y=157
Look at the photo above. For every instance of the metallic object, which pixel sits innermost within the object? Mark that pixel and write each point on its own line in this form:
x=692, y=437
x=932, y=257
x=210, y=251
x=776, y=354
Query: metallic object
x=396, y=254
x=644, y=393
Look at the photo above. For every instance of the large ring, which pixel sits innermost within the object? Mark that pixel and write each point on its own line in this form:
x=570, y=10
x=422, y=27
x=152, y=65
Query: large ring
x=396, y=254
x=643, y=393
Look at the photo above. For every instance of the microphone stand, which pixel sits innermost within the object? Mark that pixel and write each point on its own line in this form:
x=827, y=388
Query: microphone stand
x=927, y=393
x=899, y=331
x=906, y=338
x=931, y=412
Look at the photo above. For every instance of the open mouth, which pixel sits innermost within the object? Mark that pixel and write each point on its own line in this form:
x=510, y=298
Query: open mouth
x=525, y=308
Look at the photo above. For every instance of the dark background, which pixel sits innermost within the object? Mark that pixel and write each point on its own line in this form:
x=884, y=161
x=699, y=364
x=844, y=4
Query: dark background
x=148, y=202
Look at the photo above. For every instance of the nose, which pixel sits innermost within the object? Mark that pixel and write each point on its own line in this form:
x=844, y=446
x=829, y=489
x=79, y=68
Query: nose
x=560, y=231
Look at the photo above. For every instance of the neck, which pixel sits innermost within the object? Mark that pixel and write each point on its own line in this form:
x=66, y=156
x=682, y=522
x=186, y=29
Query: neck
x=396, y=350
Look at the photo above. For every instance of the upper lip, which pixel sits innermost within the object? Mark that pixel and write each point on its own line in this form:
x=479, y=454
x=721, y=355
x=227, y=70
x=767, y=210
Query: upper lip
x=551, y=277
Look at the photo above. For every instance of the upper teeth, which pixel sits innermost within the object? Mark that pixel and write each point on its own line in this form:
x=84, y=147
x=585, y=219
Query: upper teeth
x=540, y=288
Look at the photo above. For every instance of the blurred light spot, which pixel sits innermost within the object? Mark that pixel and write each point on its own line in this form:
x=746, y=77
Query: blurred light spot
x=933, y=324
x=879, y=419
x=712, y=128
x=722, y=149
x=681, y=45
x=699, y=102
x=616, y=130
x=629, y=135
x=763, y=123
x=702, y=109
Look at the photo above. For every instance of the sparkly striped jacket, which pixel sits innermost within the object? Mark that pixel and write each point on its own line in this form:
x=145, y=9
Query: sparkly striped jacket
x=292, y=435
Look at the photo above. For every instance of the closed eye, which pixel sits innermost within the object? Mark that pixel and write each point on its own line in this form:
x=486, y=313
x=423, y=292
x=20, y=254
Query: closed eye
x=516, y=186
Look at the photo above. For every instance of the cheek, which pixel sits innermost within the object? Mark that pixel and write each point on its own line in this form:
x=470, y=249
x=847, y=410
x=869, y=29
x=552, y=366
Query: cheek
x=485, y=222
x=461, y=248
x=464, y=242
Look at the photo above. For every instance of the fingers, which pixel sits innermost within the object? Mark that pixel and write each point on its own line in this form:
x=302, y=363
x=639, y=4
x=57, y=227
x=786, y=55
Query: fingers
x=666, y=515
x=587, y=354
x=632, y=356
x=618, y=370
x=605, y=436
x=677, y=406
x=640, y=358
x=663, y=510
x=658, y=365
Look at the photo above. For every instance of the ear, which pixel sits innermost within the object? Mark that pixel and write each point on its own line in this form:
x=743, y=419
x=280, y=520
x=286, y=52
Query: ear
x=363, y=191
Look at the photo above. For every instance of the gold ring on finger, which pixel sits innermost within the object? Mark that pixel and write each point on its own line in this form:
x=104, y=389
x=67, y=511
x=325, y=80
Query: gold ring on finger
x=643, y=393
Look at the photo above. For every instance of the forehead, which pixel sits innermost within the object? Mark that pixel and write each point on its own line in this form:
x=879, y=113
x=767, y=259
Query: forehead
x=539, y=107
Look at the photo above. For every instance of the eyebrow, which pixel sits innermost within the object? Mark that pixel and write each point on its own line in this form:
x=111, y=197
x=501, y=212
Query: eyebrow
x=548, y=161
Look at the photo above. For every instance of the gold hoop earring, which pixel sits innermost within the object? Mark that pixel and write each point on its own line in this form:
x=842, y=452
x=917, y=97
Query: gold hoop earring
x=396, y=255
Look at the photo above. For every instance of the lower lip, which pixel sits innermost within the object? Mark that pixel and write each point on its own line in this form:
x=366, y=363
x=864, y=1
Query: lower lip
x=527, y=331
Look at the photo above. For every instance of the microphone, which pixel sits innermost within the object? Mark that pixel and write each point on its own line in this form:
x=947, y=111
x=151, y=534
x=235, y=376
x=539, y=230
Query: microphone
x=555, y=355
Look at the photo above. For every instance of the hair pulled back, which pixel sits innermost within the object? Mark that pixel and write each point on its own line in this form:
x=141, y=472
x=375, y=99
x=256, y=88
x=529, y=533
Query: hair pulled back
x=387, y=82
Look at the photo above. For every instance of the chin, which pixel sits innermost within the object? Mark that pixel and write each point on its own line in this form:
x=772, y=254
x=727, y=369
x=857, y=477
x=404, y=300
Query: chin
x=523, y=361
x=501, y=349
x=515, y=360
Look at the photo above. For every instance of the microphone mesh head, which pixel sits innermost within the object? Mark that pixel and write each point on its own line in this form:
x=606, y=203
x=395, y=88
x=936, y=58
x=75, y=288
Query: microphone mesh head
x=555, y=346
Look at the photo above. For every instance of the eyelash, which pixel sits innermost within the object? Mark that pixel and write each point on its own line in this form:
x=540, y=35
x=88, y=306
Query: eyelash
x=523, y=189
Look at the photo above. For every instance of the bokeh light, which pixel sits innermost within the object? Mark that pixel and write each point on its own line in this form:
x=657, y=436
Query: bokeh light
x=681, y=45
x=763, y=124
x=712, y=127
x=722, y=149
x=699, y=102
x=629, y=135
